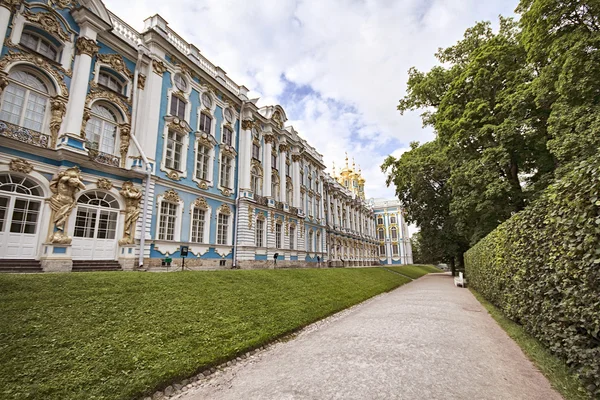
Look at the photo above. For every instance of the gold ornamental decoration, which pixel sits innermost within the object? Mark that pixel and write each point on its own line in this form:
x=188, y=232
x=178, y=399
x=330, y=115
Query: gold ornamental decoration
x=141, y=81
x=64, y=186
x=201, y=203
x=269, y=138
x=272, y=222
x=104, y=184
x=250, y=216
x=277, y=119
x=12, y=5
x=261, y=216
x=49, y=22
x=58, y=107
x=284, y=147
x=172, y=196
x=202, y=185
x=125, y=136
x=296, y=157
x=20, y=165
x=224, y=209
x=158, y=67
x=40, y=62
x=173, y=175
x=116, y=62
x=86, y=46
x=62, y=3
x=133, y=197
x=247, y=124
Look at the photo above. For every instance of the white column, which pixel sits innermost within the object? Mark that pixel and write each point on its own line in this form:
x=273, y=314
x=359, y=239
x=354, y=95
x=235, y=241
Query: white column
x=282, y=172
x=267, y=166
x=4, y=19
x=86, y=47
x=149, y=109
x=296, y=179
x=245, y=150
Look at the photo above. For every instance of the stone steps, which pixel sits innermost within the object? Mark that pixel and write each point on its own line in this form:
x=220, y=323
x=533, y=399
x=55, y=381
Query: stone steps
x=20, y=266
x=96, y=265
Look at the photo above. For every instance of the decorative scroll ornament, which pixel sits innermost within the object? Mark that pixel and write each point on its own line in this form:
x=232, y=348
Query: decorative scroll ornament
x=158, y=67
x=38, y=61
x=63, y=3
x=125, y=136
x=64, y=187
x=296, y=157
x=247, y=124
x=287, y=226
x=272, y=222
x=58, y=107
x=171, y=195
x=13, y=5
x=224, y=209
x=202, y=185
x=3, y=81
x=104, y=183
x=141, y=81
x=225, y=192
x=49, y=22
x=284, y=147
x=173, y=175
x=228, y=151
x=20, y=165
x=133, y=197
x=116, y=62
x=86, y=46
x=250, y=216
x=201, y=203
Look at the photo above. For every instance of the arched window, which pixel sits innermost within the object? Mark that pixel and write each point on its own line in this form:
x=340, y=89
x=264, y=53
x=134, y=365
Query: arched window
x=289, y=195
x=394, y=233
x=39, y=44
x=101, y=129
x=96, y=216
x=19, y=184
x=255, y=181
x=318, y=243
x=25, y=100
x=275, y=186
x=110, y=81
x=393, y=219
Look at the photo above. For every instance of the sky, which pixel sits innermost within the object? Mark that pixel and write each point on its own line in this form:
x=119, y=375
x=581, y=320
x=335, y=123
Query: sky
x=337, y=67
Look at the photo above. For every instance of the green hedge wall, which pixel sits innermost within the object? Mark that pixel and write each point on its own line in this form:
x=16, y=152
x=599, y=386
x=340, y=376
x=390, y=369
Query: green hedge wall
x=542, y=268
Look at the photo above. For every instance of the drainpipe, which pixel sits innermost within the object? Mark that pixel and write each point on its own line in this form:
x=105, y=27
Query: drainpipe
x=134, y=113
x=237, y=200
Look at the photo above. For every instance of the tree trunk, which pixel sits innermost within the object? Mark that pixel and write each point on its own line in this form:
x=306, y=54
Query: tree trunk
x=452, y=267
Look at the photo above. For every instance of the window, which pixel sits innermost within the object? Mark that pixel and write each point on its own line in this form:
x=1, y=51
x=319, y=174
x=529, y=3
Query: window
x=167, y=219
x=94, y=219
x=395, y=249
x=318, y=243
x=202, y=160
x=310, y=241
x=278, y=236
x=275, y=186
x=111, y=82
x=226, y=172
x=222, y=228
x=39, y=45
x=289, y=195
x=174, y=150
x=198, y=220
x=382, y=250
x=260, y=233
x=310, y=183
x=287, y=169
x=381, y=234
x=379, y=220
x=292, y=237
x=227, y=136
x=205, y=123
x=206, y=100
x=101, y=129
x=25, y=100
x=274, y=160
x=394, y=233
x=255, y=183
x=178, y=107
x=393, y=219
x=180, y=82
x=255, y=151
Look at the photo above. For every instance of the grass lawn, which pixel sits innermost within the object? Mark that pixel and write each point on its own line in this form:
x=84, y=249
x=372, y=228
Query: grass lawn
x=556, y=370
x=415, y=271
x=123, y=335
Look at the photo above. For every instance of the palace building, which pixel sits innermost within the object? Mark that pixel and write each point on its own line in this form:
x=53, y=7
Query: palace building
x=119, y=147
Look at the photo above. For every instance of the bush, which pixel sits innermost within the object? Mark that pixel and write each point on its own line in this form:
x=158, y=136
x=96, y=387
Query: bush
x=542, y=269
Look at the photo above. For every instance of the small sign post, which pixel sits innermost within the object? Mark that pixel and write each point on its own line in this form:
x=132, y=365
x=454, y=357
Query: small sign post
x=184, y=252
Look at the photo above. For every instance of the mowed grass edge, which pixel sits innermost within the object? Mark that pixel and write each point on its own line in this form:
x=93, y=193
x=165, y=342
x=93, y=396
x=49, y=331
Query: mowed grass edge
x=125, y=335
x=553, y=368
x=415, y=271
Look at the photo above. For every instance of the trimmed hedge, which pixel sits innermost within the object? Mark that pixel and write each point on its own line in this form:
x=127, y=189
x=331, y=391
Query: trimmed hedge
x=542, y=269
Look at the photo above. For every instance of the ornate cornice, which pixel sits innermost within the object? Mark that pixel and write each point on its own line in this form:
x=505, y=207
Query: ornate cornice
x=116, y=62
x=158, y=67
x=86, y=46
x=20, y=165
x=284, y=147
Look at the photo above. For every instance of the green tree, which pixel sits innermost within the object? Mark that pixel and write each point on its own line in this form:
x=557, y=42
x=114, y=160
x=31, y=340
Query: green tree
x=562, y=40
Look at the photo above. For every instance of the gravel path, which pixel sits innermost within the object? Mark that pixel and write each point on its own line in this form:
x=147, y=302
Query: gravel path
x=424, y=340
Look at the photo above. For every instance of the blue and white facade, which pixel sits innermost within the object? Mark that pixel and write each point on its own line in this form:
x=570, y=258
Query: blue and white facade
x=124, y=146
x=393, y=240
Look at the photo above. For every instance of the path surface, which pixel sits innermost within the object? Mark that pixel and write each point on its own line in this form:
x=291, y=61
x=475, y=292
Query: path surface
x=424, y=340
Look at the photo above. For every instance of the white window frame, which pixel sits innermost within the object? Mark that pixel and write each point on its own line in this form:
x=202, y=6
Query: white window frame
x=41, y=39
x=278, y=235
x=229, y=228
x=178, y=219
x=262, y=233
x=127, y=83
x=229, y=185
x=292, y=238
x=206, y=229
x=309, y=241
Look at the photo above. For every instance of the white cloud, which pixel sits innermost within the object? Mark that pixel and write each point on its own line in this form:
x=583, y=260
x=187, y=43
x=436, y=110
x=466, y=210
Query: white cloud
x=354, y=55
